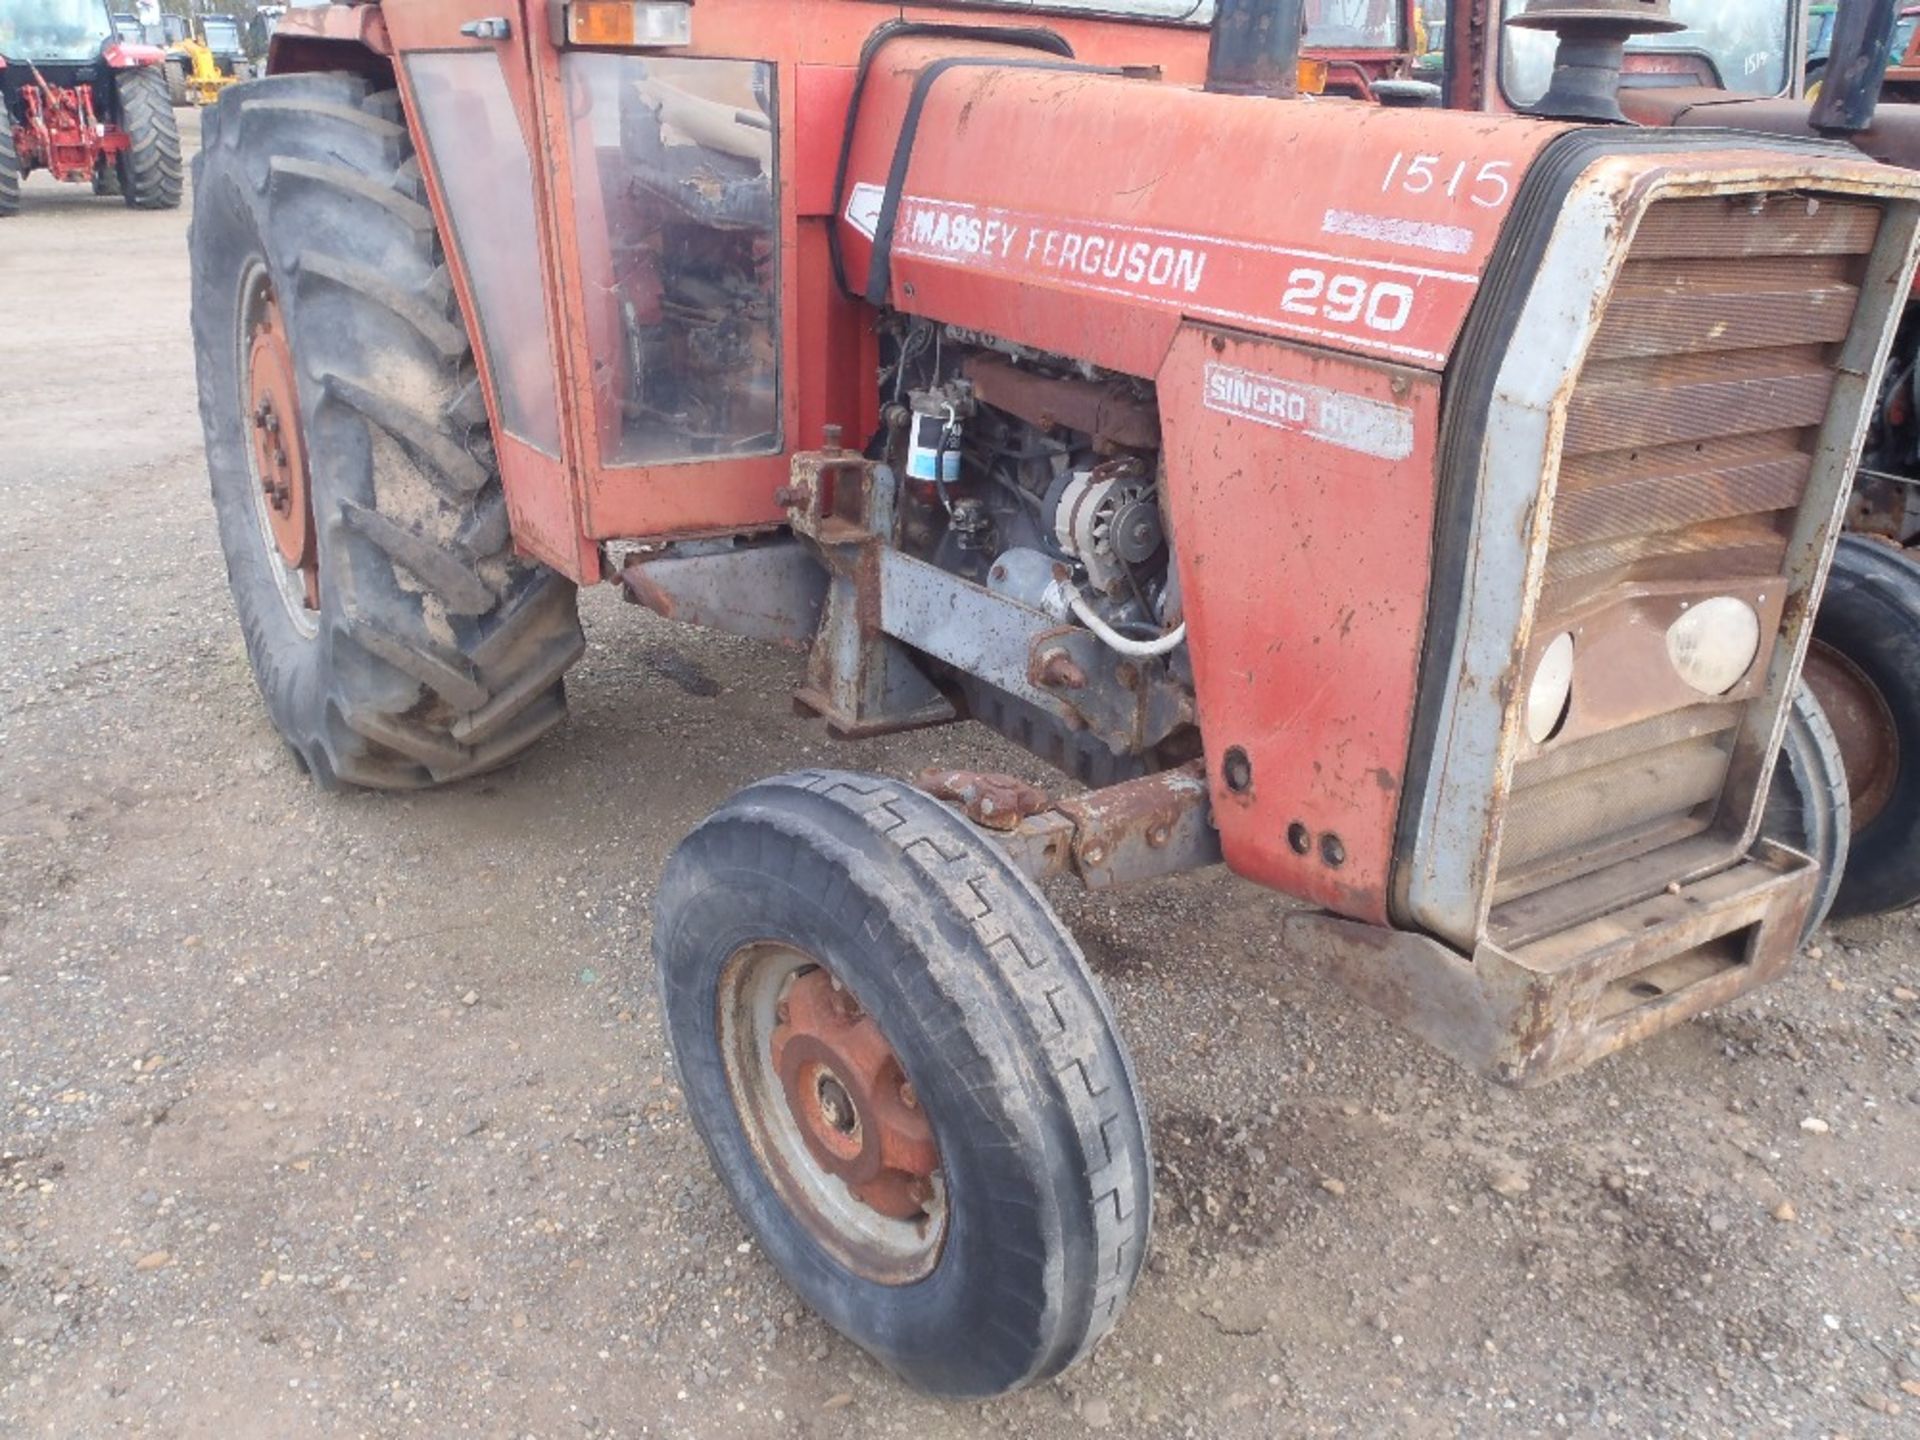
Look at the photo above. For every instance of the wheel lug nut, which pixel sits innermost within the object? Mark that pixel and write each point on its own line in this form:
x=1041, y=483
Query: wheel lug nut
x=909, y=1097
x=780, y=1012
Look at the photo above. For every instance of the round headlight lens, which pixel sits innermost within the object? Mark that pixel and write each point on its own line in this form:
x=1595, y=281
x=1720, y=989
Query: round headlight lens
x=1551, y=691
x=1713, y=644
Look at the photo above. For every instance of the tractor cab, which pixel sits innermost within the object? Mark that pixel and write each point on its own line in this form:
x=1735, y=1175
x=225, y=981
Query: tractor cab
x=221, y=34
x=1500, y=59
x=54, y=32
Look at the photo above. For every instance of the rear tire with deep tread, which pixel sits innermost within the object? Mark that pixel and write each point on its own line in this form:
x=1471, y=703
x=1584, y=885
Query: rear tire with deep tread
x=150, y=167
x=1807, y=808
x=1000, y=1027
x=9, y=166
x=438, y=653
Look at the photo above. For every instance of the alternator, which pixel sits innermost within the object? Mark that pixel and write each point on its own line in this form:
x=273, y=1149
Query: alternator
x=1106, y=518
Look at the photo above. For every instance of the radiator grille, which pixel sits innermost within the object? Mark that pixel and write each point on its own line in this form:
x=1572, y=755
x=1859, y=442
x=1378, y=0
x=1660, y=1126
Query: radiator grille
x=1687, y=456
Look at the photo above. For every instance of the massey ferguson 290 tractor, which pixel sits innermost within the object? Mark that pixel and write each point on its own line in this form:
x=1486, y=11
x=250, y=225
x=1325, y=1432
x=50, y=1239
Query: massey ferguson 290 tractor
x=84, y=105
x=1423, y=513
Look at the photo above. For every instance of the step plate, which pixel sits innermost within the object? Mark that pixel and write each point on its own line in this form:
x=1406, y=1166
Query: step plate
x=1528, y=1015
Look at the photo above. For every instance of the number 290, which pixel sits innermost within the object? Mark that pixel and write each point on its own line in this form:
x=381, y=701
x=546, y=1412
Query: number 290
x=1384, y=305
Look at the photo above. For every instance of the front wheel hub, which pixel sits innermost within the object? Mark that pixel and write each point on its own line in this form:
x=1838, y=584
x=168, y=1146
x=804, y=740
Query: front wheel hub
x=851, y=1099
x=826, y=1106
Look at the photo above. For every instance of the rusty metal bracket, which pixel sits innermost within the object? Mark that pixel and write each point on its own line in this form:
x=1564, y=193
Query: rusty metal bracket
x=859, y=679
x=991, y=801
x=773, y=590
x=1140, y=829
x=1132, y=704
x=1540, y=1010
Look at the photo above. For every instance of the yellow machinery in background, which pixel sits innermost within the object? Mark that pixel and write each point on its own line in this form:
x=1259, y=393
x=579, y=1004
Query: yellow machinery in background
x=203, y=62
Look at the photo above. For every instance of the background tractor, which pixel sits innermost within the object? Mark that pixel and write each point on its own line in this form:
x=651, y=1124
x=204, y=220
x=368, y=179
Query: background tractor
x=84, y=105
x=204, y=60
x=1415, y=512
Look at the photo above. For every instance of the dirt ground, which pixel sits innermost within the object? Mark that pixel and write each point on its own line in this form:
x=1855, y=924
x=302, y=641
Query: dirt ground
x=350, y=1116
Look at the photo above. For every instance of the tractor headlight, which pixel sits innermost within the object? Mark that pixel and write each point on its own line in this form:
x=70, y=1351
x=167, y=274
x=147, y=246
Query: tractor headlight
x=1713, y=644
x=1551, y=691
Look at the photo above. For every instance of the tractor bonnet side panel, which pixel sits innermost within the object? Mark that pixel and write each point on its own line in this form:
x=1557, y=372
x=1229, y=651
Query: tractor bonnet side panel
x=1300, y=485
x=1086, y=213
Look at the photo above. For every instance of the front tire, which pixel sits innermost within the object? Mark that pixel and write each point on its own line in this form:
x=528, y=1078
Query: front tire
x=1864, y=665
x=409, y=645
x=1042, y=1188
x=150, y=168
x=1807, y=808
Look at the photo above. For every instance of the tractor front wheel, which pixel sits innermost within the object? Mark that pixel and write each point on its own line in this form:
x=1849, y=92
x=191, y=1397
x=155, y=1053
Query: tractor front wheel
x=907, y=1078
x=397, y=638
x=9, y=166
x=150, y=168
x=1864, y=665
x=1808, y=808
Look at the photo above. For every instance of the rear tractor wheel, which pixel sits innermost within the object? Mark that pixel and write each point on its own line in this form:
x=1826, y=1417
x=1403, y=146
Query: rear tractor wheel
x=906, y=1077
x=9, y=166
x=396, y=637
x=150, y=168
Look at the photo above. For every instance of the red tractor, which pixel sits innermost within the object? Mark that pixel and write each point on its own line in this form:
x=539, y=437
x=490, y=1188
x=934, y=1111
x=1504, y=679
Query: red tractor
x=84, y=105
x=1412, y=511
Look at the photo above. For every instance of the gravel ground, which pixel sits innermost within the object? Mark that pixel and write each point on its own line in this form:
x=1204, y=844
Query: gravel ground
x=349, y=1115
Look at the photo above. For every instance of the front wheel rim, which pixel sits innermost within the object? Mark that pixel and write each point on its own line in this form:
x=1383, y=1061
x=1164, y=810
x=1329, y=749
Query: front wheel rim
x=1862, y=723
x=827, y=1108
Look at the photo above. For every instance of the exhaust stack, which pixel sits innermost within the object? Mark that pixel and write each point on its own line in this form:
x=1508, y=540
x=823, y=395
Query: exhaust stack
x=1254, y=47
x=1856, y=67
x=1593, y=47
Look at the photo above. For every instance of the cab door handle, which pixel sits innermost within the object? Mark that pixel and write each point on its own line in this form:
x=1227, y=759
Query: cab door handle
x=493, y=27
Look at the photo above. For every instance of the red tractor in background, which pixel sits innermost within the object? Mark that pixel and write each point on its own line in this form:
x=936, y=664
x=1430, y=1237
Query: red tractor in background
x=83, y=104
x=1384, y=505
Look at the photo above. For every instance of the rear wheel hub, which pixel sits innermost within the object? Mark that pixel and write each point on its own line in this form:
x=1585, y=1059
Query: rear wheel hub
x=277, y=450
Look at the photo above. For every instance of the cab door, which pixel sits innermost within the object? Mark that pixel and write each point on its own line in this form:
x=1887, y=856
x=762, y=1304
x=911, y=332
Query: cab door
x=673, y=252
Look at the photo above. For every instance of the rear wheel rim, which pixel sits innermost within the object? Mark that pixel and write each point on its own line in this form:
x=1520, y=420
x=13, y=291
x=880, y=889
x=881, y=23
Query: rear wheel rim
x=1864, y=726
x=276, y=450
x=830, y=1114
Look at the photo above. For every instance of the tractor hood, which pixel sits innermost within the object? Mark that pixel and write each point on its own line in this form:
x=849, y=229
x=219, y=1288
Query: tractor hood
x=1086, y=211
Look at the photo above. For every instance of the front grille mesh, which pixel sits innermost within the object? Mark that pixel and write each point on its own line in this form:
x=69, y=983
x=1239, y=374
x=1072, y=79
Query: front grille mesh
x=1687, y=454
